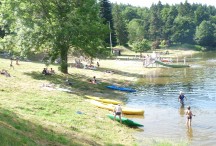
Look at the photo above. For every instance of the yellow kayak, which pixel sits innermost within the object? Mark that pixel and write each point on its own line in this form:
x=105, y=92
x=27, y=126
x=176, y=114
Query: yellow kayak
x=125, y=110
x=104, y=100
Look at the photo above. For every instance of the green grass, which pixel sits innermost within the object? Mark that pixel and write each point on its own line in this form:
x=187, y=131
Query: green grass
x=32, y=115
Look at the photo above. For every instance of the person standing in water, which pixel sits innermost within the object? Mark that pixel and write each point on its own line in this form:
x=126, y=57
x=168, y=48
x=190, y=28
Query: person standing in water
x=189, y=115
x=181, y=98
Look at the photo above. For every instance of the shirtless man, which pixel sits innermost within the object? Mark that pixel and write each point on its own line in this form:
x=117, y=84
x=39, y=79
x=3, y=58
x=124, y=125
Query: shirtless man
x=189, y=115
x=118, y=112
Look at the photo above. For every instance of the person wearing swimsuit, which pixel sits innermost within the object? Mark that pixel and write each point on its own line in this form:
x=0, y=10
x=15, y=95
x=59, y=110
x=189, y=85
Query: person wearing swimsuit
x=118, y=112
x=189, y=115
x=181, y=98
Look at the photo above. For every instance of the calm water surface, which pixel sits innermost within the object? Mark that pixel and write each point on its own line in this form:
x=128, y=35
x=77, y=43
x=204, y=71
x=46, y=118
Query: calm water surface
x=164, y=117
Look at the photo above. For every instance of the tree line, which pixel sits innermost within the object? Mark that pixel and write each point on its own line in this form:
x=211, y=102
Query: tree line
x=165, y=24
x=90, y=28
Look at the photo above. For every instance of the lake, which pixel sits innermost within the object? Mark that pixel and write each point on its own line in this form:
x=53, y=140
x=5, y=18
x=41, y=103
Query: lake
x=164, y=118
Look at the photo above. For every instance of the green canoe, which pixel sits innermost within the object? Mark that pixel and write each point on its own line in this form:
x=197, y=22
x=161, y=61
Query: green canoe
x=126, y=121
x=172, y=65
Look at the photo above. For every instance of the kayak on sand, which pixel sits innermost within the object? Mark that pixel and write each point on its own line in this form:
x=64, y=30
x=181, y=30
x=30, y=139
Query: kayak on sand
x=121, y=88
x=104, y=100
x=125, y=110
x=126, y=121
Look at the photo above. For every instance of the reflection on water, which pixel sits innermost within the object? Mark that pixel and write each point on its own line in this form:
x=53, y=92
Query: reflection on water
x=182, y=111
x=190, y=133
x=134, y=116
x=164, y=116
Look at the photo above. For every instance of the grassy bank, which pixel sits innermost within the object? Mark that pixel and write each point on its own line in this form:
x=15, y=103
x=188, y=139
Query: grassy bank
x=31, y=114
x=35, y=115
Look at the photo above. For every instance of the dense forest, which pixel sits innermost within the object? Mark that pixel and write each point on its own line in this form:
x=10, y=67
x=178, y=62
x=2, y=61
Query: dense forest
x=92, y=27
x=166, y=24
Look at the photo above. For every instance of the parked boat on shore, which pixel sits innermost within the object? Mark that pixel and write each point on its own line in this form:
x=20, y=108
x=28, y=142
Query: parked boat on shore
x=126, y=89
x=125, y=110
x=111, y=101
x=126, y=121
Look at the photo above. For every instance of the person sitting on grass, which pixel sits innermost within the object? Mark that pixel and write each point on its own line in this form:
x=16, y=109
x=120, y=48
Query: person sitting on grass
x=51, y=71
x=118, y=112
x=5, y=72
x=68, y=82
x=89, y=67
x=109, y=71
x=45, y=72
x=92, y=81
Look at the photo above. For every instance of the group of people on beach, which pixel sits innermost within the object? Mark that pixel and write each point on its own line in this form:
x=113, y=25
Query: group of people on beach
x=92, y=66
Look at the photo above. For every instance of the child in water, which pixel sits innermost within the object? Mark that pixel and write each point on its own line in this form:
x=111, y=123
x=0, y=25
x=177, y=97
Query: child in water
x=189, y=115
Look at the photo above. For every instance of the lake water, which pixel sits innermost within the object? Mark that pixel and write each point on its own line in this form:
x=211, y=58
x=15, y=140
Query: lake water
x=164, y=118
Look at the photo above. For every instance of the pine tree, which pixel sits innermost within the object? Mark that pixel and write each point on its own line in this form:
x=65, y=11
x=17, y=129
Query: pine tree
x=106, y=14
x=120, y=26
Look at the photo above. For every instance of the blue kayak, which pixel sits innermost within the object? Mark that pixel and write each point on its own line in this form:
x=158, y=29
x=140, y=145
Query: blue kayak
x=121, y=88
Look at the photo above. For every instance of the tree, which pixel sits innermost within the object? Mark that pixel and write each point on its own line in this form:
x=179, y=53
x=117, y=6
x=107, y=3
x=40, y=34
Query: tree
x=168, y=16
x=205, y=34
x=54, y=26
x=183, y=30
x=135, y=31
x=200, y=14
x=2, y=33
x=141, y=46
x=130, y=13
x=106, y=14
x=156, y=23
x=120, y=26
x=185, y=10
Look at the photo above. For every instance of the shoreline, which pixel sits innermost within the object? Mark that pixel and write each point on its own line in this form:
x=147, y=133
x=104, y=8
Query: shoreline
x=58, y=108
x=132, y=69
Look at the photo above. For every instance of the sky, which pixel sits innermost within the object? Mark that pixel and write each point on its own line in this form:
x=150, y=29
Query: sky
x=148, y=3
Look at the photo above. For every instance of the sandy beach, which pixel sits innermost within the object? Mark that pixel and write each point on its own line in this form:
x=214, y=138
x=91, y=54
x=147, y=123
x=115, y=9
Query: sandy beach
x=129, y=68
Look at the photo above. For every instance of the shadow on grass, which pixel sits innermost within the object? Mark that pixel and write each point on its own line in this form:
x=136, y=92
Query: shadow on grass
x=78, y=82
x=15, y=131
x=115, y=71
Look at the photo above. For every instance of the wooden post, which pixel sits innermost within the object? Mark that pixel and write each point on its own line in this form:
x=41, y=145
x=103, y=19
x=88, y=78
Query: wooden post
x=110, y=37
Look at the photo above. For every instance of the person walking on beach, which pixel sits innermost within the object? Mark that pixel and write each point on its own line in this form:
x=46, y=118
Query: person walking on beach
x=11, y=64
x=118, y=112
x=181, y=98
x=189, y=115
x=98, y=65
